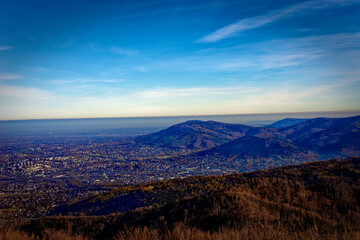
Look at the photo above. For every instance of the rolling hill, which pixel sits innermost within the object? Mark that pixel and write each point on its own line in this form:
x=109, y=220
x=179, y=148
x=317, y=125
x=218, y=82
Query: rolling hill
x=306, y=129
x=248, y=153
x=202, y=135
x=287, y=122
x=342, y=137
x=251, y=146
x=324, y=137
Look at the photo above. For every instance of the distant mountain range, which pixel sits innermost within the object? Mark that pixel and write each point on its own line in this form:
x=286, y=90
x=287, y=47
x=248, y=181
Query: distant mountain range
x=338, y=136
x=255, y=148
x=201, y=135
x=287, y=122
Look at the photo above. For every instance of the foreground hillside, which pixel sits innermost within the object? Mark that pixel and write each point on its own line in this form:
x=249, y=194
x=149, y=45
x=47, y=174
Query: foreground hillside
x=319, y=200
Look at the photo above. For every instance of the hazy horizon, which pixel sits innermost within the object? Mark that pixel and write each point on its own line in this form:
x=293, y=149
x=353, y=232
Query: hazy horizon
x=139, y=125
x=304, y=114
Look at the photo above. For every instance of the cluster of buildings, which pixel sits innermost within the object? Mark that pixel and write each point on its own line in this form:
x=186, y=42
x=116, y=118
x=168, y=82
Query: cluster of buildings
x=38, y=174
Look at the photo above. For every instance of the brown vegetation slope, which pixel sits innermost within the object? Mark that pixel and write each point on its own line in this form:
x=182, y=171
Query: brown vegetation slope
x=316, y=200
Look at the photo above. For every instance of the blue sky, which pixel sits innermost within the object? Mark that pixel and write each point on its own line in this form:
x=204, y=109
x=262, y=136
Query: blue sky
x=76, y=59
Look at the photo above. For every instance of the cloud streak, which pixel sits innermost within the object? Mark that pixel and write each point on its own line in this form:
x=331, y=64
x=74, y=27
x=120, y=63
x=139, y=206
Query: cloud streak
x=273, y=16
x=275, y=55
x=27, y=93
x=8, y=76
x=169, y=101
x=75, y=81
x=124, y=51
x=161, y=93
x=3, y=48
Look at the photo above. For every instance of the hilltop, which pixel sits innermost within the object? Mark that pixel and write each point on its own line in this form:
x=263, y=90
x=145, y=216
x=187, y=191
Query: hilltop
x=287, y=122
x=202, y=134
x=221, y=146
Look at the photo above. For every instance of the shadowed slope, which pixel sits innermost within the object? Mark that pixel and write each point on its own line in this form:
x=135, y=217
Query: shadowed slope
x=341, y=137
x=287, y=122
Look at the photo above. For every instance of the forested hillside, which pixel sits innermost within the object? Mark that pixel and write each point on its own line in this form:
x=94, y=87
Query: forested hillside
x=314, y=200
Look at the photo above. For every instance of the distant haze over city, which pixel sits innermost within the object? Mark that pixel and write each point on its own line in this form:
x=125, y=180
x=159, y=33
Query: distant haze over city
x=130, y=126
x=81, y=59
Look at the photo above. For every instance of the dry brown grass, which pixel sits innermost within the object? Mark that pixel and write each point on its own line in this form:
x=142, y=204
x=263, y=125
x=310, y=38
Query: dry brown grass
x=182, y=232
x=12, y=234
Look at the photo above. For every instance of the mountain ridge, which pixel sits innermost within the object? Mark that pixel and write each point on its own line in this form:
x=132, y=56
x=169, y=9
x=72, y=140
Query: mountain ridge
x=196, y=134
x=287, y=122
x=246, y=148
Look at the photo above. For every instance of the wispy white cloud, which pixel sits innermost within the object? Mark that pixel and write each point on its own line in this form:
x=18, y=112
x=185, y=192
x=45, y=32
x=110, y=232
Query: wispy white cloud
x=289, y=99
x=3, y=48
x=269, y=61
x=170, y=101
x=334, y=42
x=21, y=92
x=97, y=47
x=238, y=60
x=340, y=50
x=141, y=69
x=319, y=52
x=124, y=51
x=163, y=93
x=8, y=76
x=235, y=99
x=258, y=21
x=65, y=81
